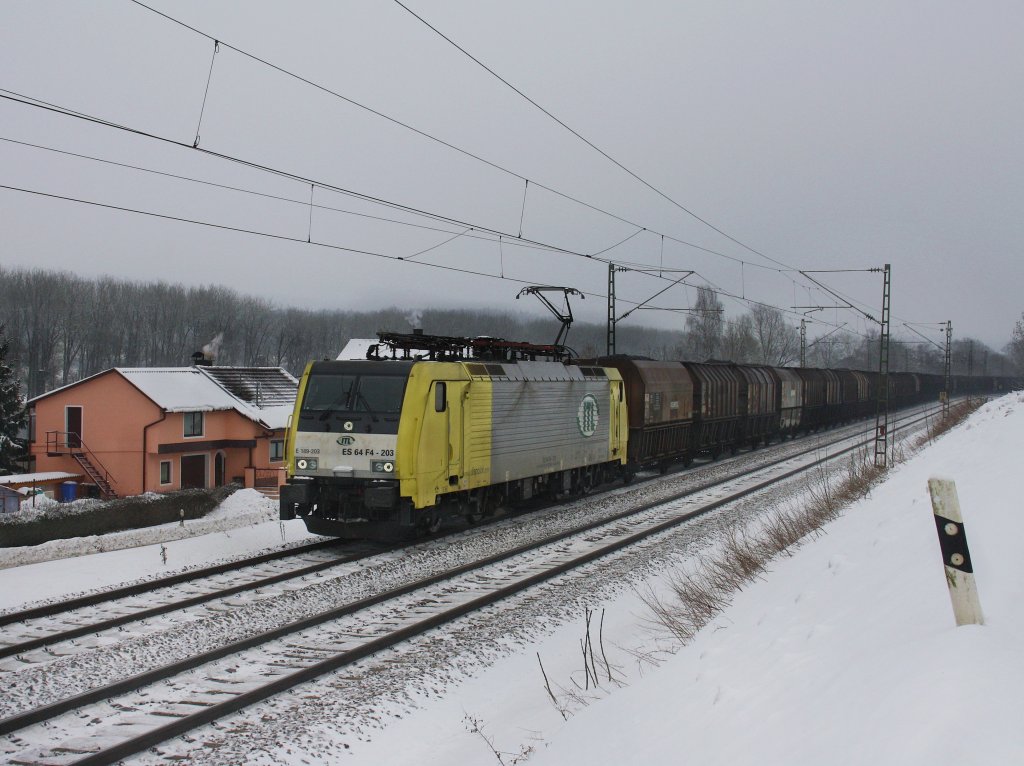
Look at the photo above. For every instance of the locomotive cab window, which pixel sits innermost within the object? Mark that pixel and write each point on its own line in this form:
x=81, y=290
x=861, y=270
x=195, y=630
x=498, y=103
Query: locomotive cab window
x=379, y=394
x=353, y=395
x=440, y=396
x=325, y=393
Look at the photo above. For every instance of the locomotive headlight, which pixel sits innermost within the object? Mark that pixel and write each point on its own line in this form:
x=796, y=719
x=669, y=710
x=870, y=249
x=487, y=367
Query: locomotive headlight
x=380, y=466
x=306, y=463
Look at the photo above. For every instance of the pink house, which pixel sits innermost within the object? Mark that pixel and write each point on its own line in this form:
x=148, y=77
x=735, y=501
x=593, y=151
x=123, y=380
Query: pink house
x=161, y=429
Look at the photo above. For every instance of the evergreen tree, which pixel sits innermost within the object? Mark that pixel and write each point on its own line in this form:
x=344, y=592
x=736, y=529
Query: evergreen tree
x=12, y=412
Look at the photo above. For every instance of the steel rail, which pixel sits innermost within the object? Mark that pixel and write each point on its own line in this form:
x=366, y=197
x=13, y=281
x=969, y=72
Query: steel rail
x=51, y=610
x=100, y=597
x=47, y=712
x=208, y=715
x=11, y=650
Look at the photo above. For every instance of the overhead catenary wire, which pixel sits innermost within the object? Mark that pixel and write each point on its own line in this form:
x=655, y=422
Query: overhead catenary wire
x=206, y=92
x=78, y=155
x=582, y=138
x=613, y=160
x=513, y=240
x=304, y=180
x=64, y=111
x=279, y=237
x=254, y=232
x=426, y=250
x=526, y=181
x=522, y=243
x=271, y=235
x=265, y=195
x=299, y=240
x=61, y=111
x=449, y=145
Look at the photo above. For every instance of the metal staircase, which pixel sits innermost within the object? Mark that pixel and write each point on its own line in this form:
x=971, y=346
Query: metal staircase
x=69, y=443
x=99, y=476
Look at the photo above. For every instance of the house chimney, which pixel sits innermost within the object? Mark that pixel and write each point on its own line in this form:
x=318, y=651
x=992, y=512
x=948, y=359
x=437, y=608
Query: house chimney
x=208, y=355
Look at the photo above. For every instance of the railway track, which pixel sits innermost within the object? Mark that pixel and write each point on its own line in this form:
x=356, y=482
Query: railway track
x=44, y=633
x=136, y=589
x=117, y=719
x=40, y=634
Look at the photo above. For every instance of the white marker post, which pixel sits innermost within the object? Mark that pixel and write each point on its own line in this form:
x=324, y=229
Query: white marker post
x=949, y=523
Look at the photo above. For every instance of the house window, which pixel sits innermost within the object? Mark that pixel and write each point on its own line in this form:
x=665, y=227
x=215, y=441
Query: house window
x=193, y=424
x=276, y=450
x=165, y=471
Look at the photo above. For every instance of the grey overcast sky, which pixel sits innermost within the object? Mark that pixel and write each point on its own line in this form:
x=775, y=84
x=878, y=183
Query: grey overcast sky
x=823, y=135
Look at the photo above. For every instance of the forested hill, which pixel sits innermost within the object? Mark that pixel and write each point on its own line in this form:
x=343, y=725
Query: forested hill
x=62, y=328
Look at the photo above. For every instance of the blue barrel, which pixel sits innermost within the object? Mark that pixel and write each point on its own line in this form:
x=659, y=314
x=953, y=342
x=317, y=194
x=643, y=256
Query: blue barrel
x=68, y=491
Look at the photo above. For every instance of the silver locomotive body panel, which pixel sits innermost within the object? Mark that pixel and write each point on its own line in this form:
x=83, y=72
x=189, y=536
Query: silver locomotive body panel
x=547, y=417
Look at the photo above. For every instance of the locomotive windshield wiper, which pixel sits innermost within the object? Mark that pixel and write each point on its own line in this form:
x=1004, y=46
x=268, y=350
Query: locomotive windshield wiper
x=366, y=404
x=333, y=406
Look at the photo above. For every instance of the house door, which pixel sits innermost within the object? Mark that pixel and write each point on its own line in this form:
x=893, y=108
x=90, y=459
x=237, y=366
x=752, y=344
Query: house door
x=73, y=426
x=219, y=469
x=193, y=472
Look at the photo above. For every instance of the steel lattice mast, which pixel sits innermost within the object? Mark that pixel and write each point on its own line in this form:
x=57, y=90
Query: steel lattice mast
x=882, y=408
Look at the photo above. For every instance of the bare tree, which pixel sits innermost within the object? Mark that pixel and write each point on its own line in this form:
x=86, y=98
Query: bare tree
x=778, y=342
x=1015, y=348
x=832, y=350
x=704, y=324
x=738, y=341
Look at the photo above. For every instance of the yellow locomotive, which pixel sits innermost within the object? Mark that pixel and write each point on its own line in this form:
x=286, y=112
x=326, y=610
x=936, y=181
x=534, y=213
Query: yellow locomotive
x=429, y=427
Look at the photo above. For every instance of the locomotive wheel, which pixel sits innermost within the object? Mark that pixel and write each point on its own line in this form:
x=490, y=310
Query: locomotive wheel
x=586, y=483
x=430, y=523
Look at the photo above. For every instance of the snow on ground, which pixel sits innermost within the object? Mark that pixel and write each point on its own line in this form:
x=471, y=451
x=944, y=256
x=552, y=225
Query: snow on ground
x=844, y=653
x=245, y=523
x=848, y=653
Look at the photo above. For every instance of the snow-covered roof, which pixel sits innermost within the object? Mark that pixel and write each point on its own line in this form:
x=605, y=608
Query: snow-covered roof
x=209, y=389
x=261, y=386
x=356, y=348
x=46, y=477
x=265, y=395
x=179, y=389
x=276, y=417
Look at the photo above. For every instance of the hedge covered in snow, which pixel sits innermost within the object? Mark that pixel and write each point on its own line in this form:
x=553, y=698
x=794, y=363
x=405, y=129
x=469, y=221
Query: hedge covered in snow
x=82, y=518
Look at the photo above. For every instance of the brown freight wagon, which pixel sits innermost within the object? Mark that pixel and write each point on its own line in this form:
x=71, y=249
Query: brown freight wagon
x=758, y=404
x=790, y=397
x=716, y=405
x=660, y=400
x=813, y=416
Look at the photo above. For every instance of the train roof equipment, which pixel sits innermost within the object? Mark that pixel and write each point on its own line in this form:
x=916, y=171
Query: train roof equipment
x=444, y=348
x=562, y=315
